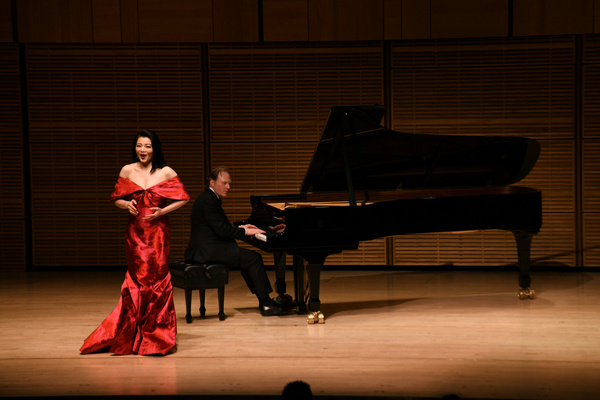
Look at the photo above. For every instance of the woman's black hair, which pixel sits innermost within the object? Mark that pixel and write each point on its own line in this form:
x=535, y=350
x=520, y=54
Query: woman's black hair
x=158, y=159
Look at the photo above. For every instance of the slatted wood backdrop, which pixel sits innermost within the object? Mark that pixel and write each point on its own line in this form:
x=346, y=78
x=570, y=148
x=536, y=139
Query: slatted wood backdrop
x=86, y=103
x=501, y=87
x=12, y=185
x=265, y=106
x=590, y=144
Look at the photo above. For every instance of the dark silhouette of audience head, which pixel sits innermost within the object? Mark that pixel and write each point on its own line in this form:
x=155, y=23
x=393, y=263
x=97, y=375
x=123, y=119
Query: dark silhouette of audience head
x=300, y=390
x=297, y=390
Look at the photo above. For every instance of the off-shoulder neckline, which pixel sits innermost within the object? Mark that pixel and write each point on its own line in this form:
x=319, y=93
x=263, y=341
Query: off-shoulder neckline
x=149, y=187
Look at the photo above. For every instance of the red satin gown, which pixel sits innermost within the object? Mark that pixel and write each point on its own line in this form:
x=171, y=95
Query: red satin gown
x=144, y=320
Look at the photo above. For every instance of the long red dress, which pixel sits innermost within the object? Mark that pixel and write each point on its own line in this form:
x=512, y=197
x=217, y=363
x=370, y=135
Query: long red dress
x=144, y=320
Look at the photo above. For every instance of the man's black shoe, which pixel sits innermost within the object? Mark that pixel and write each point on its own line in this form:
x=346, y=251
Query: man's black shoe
x=272, y=308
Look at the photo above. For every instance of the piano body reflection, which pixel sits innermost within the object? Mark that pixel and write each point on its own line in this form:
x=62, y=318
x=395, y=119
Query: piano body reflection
x=366, y=182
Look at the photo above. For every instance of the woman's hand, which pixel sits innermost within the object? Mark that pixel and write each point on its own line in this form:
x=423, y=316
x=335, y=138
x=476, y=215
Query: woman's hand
x=157, y=213
x=131, y=207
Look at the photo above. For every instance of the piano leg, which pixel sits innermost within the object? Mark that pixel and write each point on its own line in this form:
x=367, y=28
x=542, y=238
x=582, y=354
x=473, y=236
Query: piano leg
x=523, y=239
x=314, y=303
x=299, y=288
x=310, y=292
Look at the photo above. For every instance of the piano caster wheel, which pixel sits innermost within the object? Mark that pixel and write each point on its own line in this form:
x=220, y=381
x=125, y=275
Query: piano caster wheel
x=526, y=294
x=316, y=317
x=321, y=318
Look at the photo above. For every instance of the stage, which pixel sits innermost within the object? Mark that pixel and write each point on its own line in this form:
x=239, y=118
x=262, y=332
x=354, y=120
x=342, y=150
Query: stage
x=387, y=334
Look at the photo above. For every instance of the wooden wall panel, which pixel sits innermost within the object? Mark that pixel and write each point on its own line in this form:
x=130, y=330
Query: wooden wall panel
x=13, y=245
x=55, y=21
x=591, y=245
x=12, y=185
x=591, y=149
x=512, y=88
x=591, y=176
x=591, y=101
x=502, y=87
x=596, y=16
x=469, y=18
x=10, y=101
x=556, y=244
x=416, y=19
x=555, y=175
x=330, y=20
x=285, y=21
x=86, y=104
x=235, y=21
x=285, y=92
x=6, y=21
x=176, y=21
x=474, y=248
x=76, y=20
x=12, y=174
x=106, y=18
x=39, y=21
x=553, y=17
x=392, y=19
x=130, y=23
x=591, y=87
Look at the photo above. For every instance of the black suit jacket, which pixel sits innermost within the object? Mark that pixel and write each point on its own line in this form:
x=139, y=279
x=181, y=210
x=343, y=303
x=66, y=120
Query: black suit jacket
x=212, y=237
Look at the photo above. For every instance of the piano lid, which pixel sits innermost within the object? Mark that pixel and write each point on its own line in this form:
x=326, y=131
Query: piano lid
x=356, y=152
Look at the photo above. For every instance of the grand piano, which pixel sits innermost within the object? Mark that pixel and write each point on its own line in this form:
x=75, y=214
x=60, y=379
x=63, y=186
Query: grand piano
x=366, y=182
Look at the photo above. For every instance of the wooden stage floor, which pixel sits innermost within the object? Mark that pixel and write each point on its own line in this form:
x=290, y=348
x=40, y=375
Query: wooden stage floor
x=388, y=334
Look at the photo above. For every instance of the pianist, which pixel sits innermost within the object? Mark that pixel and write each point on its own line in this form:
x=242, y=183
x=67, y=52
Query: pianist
x=212, y=240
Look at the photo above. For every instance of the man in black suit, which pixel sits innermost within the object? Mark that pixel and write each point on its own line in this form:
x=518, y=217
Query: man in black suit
x=212, y=240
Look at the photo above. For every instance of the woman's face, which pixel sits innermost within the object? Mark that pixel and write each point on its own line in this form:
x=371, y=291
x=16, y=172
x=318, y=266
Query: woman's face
x=143, y=149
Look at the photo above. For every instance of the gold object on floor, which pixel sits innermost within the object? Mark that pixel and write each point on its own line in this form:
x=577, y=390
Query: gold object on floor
x=316, y=317
x=526, y=294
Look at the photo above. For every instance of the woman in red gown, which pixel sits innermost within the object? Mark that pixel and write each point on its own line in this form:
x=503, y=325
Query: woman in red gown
x=144, y=320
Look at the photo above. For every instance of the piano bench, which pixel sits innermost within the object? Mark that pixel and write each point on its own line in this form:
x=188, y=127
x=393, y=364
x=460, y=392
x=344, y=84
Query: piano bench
x=191, y=276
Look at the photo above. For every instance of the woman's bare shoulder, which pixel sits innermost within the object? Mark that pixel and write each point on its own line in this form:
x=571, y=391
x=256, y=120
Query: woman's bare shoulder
x=126, y=171
x=168, y=172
